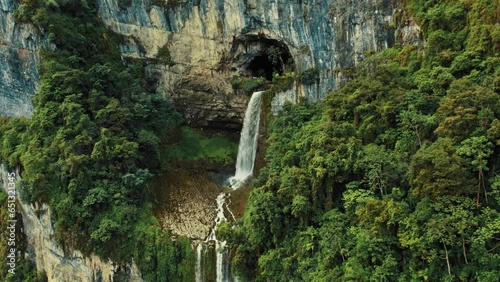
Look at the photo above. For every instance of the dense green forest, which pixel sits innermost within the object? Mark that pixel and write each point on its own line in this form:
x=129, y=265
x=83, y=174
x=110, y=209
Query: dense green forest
x=395, y=177
x=93, y=143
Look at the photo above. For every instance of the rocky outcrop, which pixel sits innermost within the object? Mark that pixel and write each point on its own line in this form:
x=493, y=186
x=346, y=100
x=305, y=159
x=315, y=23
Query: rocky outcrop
x=60, y=265
x=203, y=101
x=212, y=40
x=213, y=111
x=19, y=60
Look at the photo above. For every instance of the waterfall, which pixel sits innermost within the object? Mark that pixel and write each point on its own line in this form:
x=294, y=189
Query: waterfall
x=221, y=267
x=248, y=142
x=198, y=269
x=219, y=246
x=244, y=169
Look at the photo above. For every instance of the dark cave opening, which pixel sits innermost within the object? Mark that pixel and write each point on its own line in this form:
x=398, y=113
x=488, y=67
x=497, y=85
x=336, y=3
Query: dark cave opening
x=262, y=66
x=273, y=57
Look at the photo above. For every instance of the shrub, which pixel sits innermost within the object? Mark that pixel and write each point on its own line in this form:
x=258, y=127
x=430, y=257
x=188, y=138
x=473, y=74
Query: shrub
x=168, y=4
x=309, y=76
x=163, y=56
x=282, y=83
x=124, y=4
x=248, y=85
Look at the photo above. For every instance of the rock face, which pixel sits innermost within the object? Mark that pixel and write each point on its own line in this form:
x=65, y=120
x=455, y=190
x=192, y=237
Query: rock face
x=212, y=40
x=19, y=59
x=60, y=265
x=213, y=111
x=202, y=100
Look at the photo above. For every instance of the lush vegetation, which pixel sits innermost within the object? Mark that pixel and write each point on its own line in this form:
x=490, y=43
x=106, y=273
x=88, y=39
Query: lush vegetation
x=93, y=144
x=163, y=56
x=395, y=176
x=193, y=145
x=25, y=270
x=309, y=76
x=248, y=85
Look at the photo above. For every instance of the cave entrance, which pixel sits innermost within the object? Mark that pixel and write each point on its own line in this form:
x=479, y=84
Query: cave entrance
x=262, y=56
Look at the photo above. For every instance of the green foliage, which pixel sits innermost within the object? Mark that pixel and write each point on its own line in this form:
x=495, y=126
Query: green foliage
x=168, y=4
x=12, y=135
x=194, y=146
x=309, y=76
x=468, y=109
x=280, y=83
x=394, y=176
x=93, y=143
x=248, y=85
x=158, y=256
x=275, y=57
x=439, y=170
x=124, y=4
x=163, y=56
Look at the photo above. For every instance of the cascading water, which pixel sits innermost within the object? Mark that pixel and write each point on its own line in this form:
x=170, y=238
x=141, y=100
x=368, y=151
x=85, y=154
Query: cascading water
x=248, y=142
x=199, y=273
x=219, y=245
x=222, y=273
x=244, y=169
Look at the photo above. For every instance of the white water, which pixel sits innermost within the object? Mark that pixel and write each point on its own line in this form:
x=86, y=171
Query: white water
x=248, y=142
x=244, y=169
x=199, y=273
x=219, y=246
x=222, y=269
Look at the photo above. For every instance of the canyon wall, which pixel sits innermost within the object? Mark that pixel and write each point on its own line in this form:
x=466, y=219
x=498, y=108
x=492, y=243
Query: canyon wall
x=210, y=41
x=19, y=60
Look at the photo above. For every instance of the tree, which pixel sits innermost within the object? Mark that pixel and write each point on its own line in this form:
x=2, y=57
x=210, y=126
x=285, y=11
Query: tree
x=458, y=113
x=439, y=170
x=477, y=150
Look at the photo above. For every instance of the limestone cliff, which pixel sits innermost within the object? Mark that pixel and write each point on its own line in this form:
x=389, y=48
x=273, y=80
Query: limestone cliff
x=19, y=59
x=212, y=40
x=62, y=265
